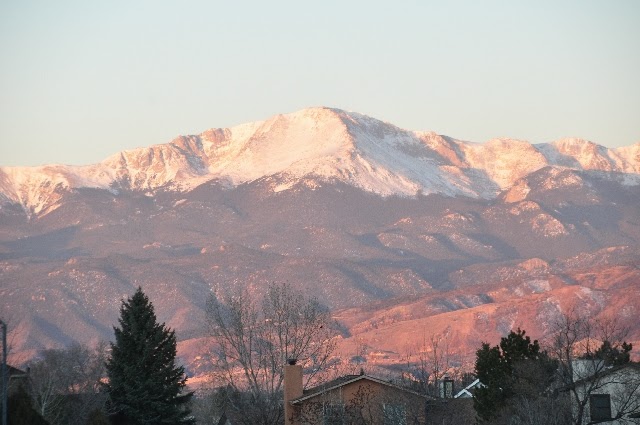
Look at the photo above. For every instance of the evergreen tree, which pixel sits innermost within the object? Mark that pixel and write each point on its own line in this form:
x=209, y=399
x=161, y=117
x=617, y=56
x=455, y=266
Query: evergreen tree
x=613, y=355
x=516, y=367
x=145, y=385
x=493, y=372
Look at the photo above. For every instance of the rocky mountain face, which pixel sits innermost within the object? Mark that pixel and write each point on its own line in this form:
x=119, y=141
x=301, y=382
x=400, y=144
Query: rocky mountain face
x=402, y=234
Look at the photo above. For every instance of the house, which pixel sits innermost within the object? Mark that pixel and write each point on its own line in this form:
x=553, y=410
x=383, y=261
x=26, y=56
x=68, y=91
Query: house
x=348, y=399
x=15, y=378
x=611, y=395
x=453, y=409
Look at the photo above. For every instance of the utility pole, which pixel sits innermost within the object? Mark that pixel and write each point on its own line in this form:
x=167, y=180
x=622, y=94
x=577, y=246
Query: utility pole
x=4, y=372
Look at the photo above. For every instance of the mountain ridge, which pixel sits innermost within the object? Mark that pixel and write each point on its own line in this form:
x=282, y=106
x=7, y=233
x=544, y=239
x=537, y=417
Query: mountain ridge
x=323, y=144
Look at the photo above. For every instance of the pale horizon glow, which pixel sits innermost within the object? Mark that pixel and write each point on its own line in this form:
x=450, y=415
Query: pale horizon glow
x=81, y=81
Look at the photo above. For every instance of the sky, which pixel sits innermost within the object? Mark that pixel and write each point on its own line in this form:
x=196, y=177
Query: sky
x=83, y=80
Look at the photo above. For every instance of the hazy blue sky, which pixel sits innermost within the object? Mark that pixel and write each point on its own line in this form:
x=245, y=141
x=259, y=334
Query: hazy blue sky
x=81, y=80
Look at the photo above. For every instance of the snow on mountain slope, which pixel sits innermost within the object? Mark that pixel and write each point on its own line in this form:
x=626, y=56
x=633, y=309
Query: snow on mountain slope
x=504, y=160
x=322, y=144
x=577, y=153
x=39, y=188
x=390, y=160
x=299, y=143
x=627, y=158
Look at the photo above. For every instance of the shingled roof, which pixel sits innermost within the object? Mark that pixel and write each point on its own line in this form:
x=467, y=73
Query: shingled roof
x=346, y=380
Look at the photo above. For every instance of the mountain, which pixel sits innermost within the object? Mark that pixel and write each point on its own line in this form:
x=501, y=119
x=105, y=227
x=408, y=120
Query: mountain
x=319, y=145
x=400, y=233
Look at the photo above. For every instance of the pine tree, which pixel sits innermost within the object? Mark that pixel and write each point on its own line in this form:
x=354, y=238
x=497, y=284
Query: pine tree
x=145, y=385
x=493, y=372
x=613, y=355
x=516, y=367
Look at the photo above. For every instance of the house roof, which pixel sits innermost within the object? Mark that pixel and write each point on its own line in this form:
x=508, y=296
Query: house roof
x=14, y=372
x=466, y=391
x=610, y=370
x=346, y=380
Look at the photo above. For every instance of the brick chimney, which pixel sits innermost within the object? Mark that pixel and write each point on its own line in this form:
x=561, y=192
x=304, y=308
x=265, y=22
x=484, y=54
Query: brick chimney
x=292, y=389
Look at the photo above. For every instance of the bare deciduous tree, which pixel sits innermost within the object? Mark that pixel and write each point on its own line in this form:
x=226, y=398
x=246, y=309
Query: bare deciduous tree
x=66, y=383
x=434, y=360
x=524, y=410
x=576, y=343
x=253, y=343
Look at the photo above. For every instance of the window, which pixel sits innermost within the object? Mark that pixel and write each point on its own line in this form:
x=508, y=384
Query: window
x=333, y=414
x=600, y=407
x=394, y=414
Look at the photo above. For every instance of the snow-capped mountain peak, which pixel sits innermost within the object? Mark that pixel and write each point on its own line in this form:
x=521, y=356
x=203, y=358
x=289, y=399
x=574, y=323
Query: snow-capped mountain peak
x=321, y=144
